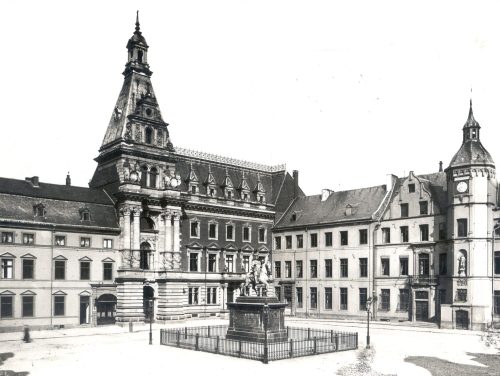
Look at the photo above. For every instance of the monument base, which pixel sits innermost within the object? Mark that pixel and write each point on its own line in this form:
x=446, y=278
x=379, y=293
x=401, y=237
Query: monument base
x=251, y=316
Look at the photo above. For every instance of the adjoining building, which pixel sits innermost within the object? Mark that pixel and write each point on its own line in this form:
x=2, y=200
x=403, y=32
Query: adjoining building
x=158, y=224
x=421, y=247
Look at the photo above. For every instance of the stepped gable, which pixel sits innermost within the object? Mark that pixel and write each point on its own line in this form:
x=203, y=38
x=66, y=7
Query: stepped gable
x=343, y=206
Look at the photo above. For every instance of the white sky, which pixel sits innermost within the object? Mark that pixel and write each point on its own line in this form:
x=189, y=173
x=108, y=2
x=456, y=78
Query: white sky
x=344, y=92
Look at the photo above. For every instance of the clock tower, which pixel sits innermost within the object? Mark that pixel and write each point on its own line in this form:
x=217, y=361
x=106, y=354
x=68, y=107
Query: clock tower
x=472, y=187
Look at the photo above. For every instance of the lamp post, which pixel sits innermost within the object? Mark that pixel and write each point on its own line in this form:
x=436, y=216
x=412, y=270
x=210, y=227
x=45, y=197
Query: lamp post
x=368, y=306
x=151, y=309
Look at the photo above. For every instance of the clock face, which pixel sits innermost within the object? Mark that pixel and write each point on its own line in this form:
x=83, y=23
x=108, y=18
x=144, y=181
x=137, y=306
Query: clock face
x=462, y=187
x=174, y=182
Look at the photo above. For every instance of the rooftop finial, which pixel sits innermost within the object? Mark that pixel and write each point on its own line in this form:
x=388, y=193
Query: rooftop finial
x=137, y=25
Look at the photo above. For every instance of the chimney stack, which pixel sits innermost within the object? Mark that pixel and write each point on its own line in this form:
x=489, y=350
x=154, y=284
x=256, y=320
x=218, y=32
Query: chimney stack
x=295, y=183
x=440, y=166
x=33, y=180
x=68, y=180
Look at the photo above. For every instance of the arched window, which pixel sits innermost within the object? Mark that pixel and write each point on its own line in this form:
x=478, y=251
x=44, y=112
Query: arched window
x=144, y=176
x=149, y=136
x=139, y=55
x=144, y=257
x=153, y=174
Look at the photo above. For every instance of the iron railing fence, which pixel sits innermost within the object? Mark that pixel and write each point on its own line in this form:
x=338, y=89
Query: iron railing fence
x=300, y=342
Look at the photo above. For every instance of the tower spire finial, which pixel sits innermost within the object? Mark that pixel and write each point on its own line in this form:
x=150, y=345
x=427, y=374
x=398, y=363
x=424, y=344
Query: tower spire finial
x=137, y=25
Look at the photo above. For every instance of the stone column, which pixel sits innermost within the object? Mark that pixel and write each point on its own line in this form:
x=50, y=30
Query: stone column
x=126, y=228
x=137, y=229
x=176, y=242
x=168, y=231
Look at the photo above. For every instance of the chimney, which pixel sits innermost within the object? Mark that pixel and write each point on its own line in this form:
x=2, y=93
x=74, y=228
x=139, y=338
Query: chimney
x=33, y=180
x=68, y=180
x=295, y=183
x=440, y=166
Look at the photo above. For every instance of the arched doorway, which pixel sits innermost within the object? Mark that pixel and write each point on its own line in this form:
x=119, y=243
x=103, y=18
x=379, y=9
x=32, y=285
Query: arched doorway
x=148, y=294
x=106, y=309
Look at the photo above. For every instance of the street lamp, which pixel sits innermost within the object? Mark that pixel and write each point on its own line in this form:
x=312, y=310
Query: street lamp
x=151, y=313
x=368, y=306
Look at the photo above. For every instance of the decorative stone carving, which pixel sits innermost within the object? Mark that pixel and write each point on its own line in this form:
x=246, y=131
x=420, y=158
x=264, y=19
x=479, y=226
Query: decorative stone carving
x=138, y=135
x=151, y=239
x=128, y=132
x=167, y=261
x=462, y=265
x=177, y=261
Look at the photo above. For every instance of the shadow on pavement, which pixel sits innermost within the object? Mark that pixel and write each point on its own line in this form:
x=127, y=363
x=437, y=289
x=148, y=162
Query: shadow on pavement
x=437, y=366
x=3, y=358
x=362, y=366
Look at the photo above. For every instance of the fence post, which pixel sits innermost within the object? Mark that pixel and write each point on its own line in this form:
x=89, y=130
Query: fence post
x=308, y=334
x=217, y=345
x=315, y=346
x=331, y=336
x=239, y=349
x=178, y=339
x=185, y=332
x=356, y=340
x=209, y=332
x=287, y=332
x=197, y=338
x=291, y=348
x=336, y=342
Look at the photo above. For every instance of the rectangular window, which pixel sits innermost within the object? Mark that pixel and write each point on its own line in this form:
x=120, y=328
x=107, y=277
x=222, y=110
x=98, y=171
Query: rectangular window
x=107, y=271
x=229, y=264
x=363, y=267
x=59, y=305
x=497, y=262
x=314, y=268
x=423, y=264
x=7, y=237
x=314, y=240
x=442, y=231
x=424, y=207
x=229, y=232
x=212, y=262
x=60, y=240
x=385, y=300
x=277, y=242
x=343, y=298
x=411, y=188
x=384, y=266
x=59, y=269
x=288, y=241
x=328, y=268
x=363, y=296
x=193, y=262
x=212, y=230
x=404, y=210
x=363, y=236
x=28, y=305
x=246, y=264
x=462, y=227
x=28, y=239
x=404, y=234
x=404, y=299
x=85, y=242
x=277, y=269
x=7, y=268
x=344, y=272
x=84, y=270
x=195, y=233
x=298, y=268
x=300, y=241
x=328, y=239
x=314, y=298
x=386, y=235
x=211, y=295
x=6, y=308
x=107, y=243
x=193, y=293
x=262, y=234
x=288, y=269
x=461, y=295
x=246, y=234
x=403, y=266
x=424, y=233
x=298, y=292
x=28, y=268
x=328, y=298
x=497, y=302
x=344, y=238
x=443, y=269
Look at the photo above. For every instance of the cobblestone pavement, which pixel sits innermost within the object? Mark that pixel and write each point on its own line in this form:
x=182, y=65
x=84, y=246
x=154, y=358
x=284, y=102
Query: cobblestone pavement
x=114, y=350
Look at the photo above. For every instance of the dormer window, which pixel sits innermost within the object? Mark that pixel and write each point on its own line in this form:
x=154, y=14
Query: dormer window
x=348, y=210
x=194, y=189
x=260, y=198
x=39, y=210
x=229, y=194
x=245, y=196
x=211, y=192
x=85, y=215
x=293, y=218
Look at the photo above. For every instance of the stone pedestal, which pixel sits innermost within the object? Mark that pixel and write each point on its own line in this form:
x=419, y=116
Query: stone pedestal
x=250, y=316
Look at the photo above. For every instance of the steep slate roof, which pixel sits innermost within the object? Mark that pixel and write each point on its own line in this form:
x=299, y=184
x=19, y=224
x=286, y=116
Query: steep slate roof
x=310, y=210
x=62, y=204
x=437, y=185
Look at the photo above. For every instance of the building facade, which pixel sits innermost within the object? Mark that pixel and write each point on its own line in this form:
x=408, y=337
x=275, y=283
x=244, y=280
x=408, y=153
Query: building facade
x=421, y=247
x=162, y=232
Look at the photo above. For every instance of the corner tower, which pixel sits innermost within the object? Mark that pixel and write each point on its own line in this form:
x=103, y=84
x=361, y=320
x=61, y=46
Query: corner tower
x=472, y=186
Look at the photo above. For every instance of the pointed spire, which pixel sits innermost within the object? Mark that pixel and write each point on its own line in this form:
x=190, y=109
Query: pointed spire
x=137, y=24
x=471, y=122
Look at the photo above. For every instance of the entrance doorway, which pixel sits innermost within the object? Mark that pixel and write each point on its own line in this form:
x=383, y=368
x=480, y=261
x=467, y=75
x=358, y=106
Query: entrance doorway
x=84, y=309
x=148, y=294
x=421, y=305
x=106, y=309
x=462, y=319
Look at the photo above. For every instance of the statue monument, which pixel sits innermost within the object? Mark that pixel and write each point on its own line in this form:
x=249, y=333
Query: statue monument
x=257, y=315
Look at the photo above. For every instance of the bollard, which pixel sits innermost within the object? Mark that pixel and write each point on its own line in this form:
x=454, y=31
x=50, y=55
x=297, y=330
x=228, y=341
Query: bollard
x=315, y=351
x=27, y=337
x=178, y=339
x=336, y=342
x=209, y=332
x=308, y=334
x=185, y=332
x=130, y=326
x=217, y=345
x=291, y=348
x=196, y=345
